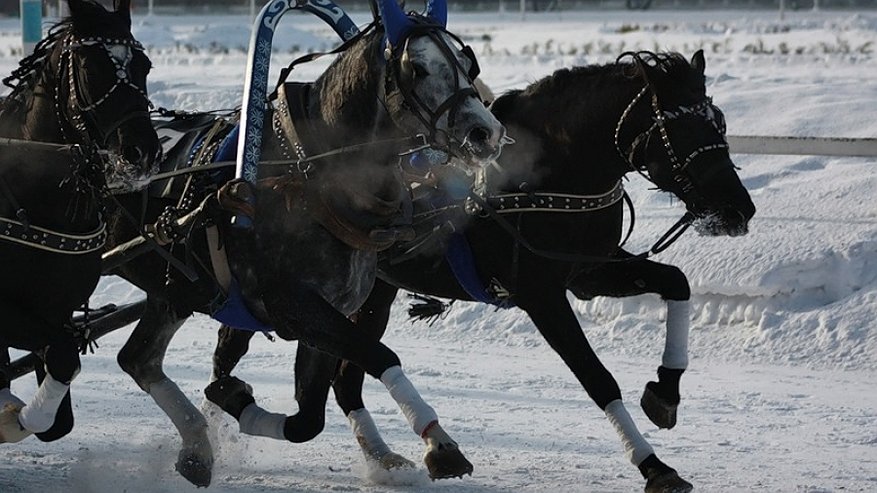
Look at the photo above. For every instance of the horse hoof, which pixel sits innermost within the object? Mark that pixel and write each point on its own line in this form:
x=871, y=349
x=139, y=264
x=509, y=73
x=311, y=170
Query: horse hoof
x=11, y=430
x=231, y=394
x=392, y=460
x=446, y=463
x=668, y=482
x=660, y=411
x=197, y=470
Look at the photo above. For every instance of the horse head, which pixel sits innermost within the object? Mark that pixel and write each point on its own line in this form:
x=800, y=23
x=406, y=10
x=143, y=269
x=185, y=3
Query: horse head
x=682, y=147
x=430, y=76
x=99, y=71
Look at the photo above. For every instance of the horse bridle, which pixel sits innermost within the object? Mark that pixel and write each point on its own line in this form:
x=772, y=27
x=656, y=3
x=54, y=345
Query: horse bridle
x=83, y=119
x=494, y=206
x=400, y=75
x=679, y=168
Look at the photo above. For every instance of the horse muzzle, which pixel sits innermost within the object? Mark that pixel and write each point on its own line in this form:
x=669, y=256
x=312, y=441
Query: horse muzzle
x=727, y=222
x=482, y=145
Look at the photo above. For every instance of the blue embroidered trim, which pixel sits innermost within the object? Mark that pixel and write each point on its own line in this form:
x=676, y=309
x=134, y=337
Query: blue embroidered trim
x=459, y=257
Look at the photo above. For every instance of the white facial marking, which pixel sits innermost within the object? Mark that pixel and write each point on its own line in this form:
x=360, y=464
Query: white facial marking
x=437, y=78
x=120, y=52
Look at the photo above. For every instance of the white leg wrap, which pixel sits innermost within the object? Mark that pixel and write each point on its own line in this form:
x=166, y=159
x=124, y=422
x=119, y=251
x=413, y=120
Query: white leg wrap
x=635, y=445
x=676, y=345
x=256, y=421
x=367, y=434
x=185, y=416
x=418, y=413
x=39, y=415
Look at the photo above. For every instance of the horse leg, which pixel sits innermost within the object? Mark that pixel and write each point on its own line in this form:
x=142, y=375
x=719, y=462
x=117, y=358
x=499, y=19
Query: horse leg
x=660, y=399
x=63, y=418
x=311, y=366
x=556, y=321
x=142, y=358
x=231, y=346
x=372, y=320
x=298, y=312
x=18, y=421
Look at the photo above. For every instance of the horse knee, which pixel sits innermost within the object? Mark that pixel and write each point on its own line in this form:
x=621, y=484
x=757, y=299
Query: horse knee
x=142, y=370
x=62, y=361
x=676, y=286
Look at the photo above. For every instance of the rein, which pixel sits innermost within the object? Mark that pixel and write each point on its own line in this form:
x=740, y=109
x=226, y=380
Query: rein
x=302, y=165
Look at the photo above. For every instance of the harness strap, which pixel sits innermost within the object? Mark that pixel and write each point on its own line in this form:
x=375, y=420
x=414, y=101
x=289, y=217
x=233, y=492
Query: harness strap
x=673, y=234
x=218, y=259
x=291, y=107
x=554, y=202
x=53, y=241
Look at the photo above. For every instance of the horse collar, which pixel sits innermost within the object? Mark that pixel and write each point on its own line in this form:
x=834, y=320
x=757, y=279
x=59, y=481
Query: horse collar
x=291, y=124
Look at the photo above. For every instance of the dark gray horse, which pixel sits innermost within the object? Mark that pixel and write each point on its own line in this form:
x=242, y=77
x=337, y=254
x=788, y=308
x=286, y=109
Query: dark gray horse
x=310, y=260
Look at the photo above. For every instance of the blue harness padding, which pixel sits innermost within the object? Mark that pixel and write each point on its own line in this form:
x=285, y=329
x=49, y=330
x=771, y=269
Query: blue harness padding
x=455, y=189
x=228, y=149
x=462, y=263
x=234, y=312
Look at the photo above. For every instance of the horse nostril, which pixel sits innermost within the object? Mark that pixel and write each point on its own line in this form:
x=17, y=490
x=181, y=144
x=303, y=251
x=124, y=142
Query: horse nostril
x=479, y=136
x=132, y=154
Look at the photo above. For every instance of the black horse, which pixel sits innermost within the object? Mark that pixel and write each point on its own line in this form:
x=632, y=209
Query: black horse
x=551, y=221
x=310, y=260
x=85, y=84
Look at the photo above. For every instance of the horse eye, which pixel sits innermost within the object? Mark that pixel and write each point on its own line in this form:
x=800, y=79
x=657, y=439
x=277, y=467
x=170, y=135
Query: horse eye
x=419, y=70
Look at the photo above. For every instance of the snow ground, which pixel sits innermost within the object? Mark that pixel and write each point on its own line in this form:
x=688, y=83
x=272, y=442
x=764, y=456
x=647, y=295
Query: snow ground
x=780, y=391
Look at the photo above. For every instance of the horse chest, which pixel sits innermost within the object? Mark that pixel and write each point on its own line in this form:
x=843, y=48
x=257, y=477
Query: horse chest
x=341, y=275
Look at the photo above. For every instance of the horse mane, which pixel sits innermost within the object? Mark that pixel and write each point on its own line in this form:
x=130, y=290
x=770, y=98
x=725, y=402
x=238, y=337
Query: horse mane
x=629, y=65
x=23, y=79
x=348, y=87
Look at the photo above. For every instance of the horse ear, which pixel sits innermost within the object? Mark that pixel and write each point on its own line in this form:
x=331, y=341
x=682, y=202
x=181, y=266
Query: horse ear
x=437, y=10
x=395, y=21
x=698, y=62
x=123, y=6
x=76, y=7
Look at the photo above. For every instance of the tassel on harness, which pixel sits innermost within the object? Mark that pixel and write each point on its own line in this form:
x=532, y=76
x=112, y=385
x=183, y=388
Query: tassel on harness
x=427, y=308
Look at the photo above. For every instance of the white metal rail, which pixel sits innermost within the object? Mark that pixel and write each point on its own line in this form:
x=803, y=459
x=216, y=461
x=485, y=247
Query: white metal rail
x=803, y=146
